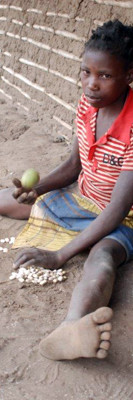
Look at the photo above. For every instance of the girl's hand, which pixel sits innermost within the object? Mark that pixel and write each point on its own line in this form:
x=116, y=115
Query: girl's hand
x=22, y=195
x=40, y=258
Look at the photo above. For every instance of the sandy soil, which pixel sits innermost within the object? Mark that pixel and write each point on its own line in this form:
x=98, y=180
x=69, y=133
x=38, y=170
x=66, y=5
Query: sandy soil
x=29, y=312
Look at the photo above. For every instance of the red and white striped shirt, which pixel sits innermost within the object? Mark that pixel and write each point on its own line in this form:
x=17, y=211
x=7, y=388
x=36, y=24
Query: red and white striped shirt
x=103, y=160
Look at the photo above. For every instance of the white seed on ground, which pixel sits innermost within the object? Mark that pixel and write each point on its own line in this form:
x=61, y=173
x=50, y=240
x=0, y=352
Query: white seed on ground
x=60, y=278
x=12, y=239
x=5, y=250
x=13, y=275
x=22, y=269
x=26, y=272
x=6, y=240
x=21, y=280
x=39, y=273
x=1, y=248
x=43, y=282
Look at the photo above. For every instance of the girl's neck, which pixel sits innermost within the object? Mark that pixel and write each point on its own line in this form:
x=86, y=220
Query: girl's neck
x=113, y=110
x=106, y=116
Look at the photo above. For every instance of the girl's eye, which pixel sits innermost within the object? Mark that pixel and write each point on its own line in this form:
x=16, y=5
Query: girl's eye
x=106, y=76
x=85, y=72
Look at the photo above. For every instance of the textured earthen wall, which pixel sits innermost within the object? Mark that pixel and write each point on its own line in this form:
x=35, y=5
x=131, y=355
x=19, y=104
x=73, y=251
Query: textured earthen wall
x=41, y=46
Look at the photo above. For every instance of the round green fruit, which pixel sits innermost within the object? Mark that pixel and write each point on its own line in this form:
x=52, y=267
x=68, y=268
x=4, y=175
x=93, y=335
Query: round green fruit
x=30, y=178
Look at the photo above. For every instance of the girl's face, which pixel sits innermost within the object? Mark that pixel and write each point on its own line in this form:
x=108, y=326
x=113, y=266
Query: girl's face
x=104, y=79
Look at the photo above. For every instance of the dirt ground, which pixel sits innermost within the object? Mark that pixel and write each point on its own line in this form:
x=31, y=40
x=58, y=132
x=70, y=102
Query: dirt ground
x=29, y=312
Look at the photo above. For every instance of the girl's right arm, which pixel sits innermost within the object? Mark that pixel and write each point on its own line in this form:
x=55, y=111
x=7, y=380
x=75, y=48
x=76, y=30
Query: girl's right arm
x=60, y=177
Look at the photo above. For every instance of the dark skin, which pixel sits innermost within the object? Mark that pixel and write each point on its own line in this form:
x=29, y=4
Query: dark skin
x=105, y=82
x=107, y=86
x=86, y=329
x=56, y=179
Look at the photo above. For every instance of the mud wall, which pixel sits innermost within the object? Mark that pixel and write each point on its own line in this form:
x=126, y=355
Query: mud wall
x=41, y=46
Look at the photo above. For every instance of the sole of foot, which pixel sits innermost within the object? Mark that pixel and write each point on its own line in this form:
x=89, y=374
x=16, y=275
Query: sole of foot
x=87, y=337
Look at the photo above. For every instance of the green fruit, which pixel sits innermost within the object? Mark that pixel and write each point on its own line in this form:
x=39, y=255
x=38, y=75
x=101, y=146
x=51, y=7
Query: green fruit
x=29, y=178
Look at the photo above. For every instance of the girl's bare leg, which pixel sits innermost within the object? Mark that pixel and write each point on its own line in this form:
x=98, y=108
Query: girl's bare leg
x=86, y=330
x=9, y=207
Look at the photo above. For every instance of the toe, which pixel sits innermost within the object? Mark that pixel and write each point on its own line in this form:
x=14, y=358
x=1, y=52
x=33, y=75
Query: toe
x=102, y=315
x=105, y=327
x=105, y=335
x=101, y=353
x=105, y=345
x=44, y=349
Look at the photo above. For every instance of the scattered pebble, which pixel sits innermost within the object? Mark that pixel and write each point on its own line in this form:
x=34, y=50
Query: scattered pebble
x=60, y=139
x=38, y=275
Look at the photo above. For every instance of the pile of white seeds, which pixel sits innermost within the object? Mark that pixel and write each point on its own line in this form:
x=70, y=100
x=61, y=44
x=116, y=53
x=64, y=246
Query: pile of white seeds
x=38, y=275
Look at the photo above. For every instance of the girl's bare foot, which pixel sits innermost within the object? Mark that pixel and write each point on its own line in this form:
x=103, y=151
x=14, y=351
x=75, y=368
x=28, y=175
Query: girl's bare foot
x=87, y=337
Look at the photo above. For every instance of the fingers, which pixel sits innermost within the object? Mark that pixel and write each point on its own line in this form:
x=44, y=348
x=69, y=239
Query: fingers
x=17, y=193
x=18, y=190
x=17, y=183
x=27, y=198
x=31, y=197
x=25, y=258
x=37, y=257
x=23, y=197
x=27, y=263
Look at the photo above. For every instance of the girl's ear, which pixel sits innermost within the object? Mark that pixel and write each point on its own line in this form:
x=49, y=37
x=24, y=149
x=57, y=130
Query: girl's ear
x=130, y=75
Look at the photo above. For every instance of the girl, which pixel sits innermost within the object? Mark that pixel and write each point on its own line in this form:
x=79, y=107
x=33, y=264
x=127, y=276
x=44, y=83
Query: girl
x=102, y=219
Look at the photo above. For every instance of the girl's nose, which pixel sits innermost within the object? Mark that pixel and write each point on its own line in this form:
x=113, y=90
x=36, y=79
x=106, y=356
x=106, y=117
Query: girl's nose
x=92, y=83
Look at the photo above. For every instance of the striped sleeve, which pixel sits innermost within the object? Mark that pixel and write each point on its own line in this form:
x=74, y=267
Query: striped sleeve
x=128, y=156
x=83, y=106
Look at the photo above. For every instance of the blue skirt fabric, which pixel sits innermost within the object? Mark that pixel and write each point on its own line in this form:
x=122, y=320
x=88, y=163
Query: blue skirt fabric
x=60, y=215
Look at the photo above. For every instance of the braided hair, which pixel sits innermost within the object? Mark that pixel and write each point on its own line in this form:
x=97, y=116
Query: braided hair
x=115, y=38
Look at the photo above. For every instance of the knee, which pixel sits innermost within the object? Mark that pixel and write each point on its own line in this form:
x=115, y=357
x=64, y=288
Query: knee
x=101, y=255
x=99, y=267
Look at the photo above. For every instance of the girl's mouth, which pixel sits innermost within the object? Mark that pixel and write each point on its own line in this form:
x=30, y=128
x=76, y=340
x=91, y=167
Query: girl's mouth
x=93, y=99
